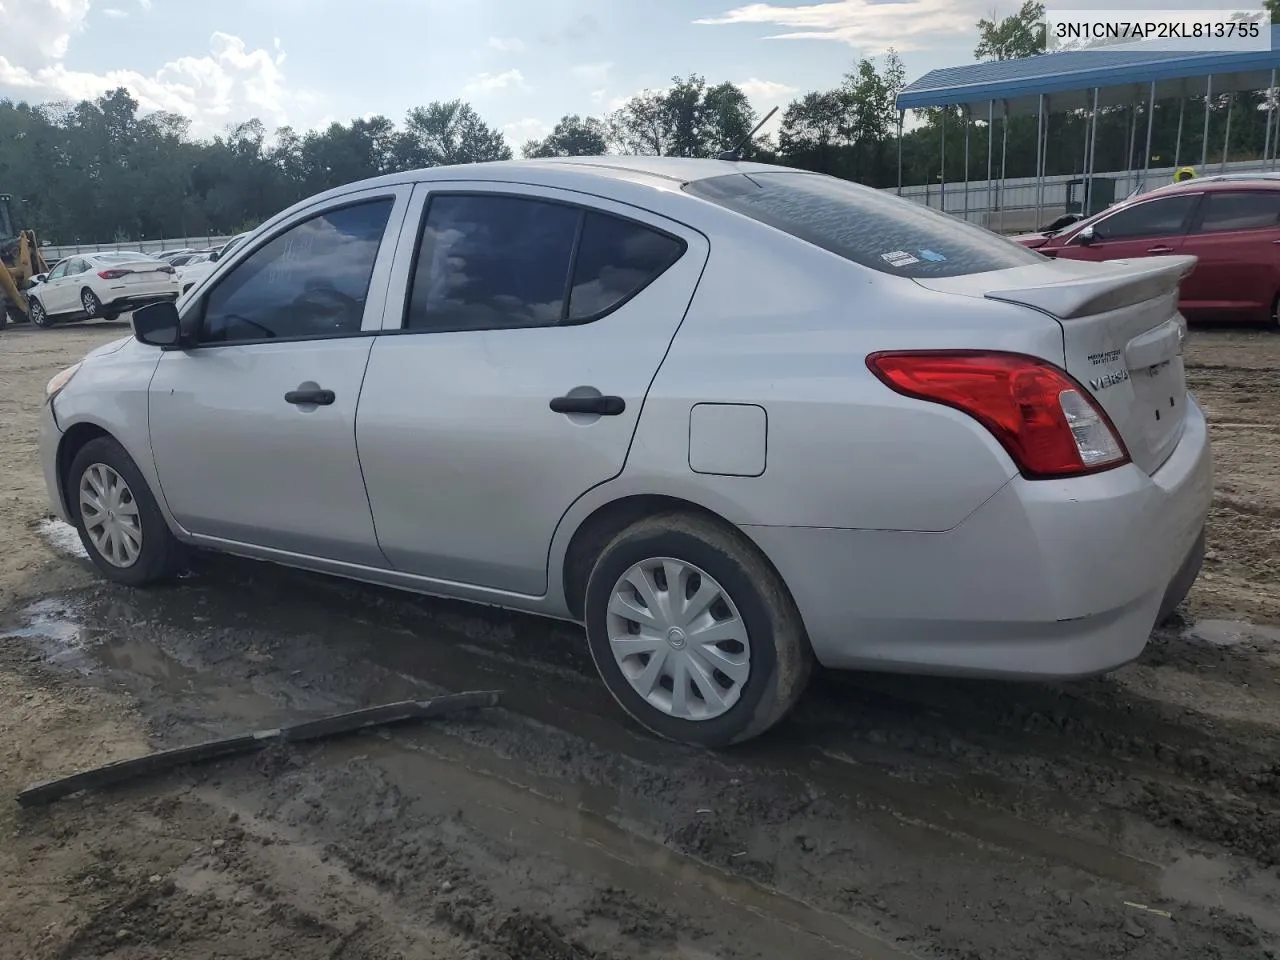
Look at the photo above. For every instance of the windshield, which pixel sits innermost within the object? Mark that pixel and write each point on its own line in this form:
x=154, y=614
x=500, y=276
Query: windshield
x=863, y=225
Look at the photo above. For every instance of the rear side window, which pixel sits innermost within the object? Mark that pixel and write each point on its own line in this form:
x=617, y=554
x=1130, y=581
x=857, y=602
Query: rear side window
x=495, y=262
x=863, y=225
x=616, y=260
x=1256, y=210
x=1154, y=218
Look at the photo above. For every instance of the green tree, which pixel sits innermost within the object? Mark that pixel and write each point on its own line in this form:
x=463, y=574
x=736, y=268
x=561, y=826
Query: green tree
x=1014, y=37
x=448, y=132
x=689, y=119
x=573, y=136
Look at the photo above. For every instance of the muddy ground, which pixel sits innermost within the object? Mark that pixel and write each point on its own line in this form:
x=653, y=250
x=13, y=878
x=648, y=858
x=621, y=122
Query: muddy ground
x=1137, y=815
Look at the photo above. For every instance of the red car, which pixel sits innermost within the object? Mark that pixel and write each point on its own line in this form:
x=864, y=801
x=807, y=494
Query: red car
x=1231, y=223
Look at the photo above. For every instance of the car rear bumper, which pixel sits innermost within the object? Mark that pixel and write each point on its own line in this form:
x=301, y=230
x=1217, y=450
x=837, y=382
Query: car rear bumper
x=50, y=437
x=1048, y=579
x=133, y=299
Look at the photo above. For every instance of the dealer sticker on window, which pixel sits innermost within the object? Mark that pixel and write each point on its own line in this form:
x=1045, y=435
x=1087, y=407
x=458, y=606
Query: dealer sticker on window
x=899, y=258
x=932, y=256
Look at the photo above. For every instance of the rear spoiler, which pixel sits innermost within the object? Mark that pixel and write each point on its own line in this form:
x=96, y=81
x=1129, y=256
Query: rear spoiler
x=1125, y=283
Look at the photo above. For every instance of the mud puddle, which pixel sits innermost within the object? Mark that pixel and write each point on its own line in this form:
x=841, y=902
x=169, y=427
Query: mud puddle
x=924, y=817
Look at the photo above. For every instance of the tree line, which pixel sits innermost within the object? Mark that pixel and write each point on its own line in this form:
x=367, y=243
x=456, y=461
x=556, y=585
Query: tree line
x=100, y=169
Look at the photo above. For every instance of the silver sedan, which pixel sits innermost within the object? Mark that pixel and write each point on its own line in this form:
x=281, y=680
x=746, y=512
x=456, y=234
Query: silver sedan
x=734, y=418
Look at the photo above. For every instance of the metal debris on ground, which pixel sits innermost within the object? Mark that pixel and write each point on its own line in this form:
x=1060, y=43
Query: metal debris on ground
x=343, y=723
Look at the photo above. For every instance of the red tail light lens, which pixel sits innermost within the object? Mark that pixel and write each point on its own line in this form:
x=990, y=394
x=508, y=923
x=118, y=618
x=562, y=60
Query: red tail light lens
x=113, y=274
x=1048, y=423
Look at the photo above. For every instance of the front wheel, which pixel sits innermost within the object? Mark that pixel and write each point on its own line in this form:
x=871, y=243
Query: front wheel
x=693, y=632
x=119, y=522
x=37, y=314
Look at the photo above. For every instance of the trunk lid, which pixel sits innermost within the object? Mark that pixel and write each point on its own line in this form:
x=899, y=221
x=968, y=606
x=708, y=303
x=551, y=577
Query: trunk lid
x=140, y=271
x=1122, y=337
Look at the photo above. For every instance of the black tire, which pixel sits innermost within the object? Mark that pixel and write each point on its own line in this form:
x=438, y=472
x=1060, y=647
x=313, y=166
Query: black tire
x=91, y=304
x=111, y=315
x=37, y=315
x=780, y=656
x=161, y=554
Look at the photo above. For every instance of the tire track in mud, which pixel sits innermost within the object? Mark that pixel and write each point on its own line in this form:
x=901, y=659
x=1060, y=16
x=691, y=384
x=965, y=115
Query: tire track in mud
x=951, y=783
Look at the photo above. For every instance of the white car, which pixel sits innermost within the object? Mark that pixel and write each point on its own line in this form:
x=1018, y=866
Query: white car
x=100, y=286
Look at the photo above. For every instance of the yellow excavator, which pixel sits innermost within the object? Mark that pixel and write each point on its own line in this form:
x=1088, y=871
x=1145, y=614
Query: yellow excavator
x=20, y=260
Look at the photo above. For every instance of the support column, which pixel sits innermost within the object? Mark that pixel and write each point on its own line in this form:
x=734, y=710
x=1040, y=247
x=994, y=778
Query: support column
x=1093, y=150
x=991, y=142
x=942, y=180
x=1133, y=139
x=1271, y=109
x=1177, y=144
x=1151, y=115
x=901, y=114
x=1204, y=138
x=967, y=119
x=1039, y=158
x=1004, y=157
x=1226, y=137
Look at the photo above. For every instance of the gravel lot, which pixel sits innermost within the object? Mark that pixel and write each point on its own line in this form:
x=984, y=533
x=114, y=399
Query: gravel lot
x=1137, y=815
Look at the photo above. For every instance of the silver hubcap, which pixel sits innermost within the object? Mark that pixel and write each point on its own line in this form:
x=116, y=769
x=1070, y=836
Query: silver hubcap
x=90, y=305
x=110, y=515
x=678, y=639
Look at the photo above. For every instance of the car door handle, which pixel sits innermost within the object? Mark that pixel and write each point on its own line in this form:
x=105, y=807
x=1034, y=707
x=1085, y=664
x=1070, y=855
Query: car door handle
x=321, y=398
x=1160, y=249
x=601, y=406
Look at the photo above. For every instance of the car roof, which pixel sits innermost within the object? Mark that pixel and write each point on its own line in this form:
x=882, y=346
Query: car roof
x=1220, y=181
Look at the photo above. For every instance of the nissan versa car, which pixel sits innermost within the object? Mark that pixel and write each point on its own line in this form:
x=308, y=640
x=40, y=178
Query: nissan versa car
x=732, y=417
x=1230, y=224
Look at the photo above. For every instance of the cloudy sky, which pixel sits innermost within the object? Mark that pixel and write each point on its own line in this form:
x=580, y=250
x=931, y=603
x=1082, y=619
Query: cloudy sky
x=522, y=63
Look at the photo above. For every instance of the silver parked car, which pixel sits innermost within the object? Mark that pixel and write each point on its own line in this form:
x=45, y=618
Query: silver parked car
x=735, y=418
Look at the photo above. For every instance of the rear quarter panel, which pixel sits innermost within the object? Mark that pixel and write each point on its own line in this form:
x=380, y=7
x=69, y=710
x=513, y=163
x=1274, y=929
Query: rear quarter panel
x=778, y=323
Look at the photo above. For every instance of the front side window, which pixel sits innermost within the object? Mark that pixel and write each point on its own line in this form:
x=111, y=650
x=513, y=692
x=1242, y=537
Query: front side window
x=494, y=262
x=1153, y=218
x=60, y=271
x=310, y=281
x=863, y=225
x=1253, y=210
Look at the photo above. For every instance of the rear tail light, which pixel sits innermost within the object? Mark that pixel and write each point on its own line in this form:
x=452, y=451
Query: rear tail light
x=113, y=274
x=1046, y=421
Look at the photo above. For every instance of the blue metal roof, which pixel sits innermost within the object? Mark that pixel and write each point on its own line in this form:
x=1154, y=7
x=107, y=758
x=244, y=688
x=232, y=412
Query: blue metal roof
x=1120, y=74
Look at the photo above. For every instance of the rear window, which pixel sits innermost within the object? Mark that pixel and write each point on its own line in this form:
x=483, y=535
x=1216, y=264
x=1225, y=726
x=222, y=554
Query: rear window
x=865, y=226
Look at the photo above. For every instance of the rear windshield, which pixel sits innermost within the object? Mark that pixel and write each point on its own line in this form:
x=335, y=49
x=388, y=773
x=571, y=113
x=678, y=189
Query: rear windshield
x=866, y=226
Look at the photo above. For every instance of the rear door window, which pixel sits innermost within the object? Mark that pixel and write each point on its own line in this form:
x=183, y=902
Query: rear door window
x=864, y=225
x=1165, y=217
x=1245, y=210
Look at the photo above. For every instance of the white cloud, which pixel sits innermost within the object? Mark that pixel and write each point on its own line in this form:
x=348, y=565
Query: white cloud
x=36, y=31
x=765, y=89
x=593, y=74
x=866, y=24
x=489, y=82
x=597, y=96
x=519, y=131
x=115, y=13
x=229, y=84
x=145, y=4
x=506, y=44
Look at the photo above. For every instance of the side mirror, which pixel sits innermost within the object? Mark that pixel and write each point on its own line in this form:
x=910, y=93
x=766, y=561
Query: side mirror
x=40, y=278
x=1086, y=236
x=159, y=325
x=213, y=257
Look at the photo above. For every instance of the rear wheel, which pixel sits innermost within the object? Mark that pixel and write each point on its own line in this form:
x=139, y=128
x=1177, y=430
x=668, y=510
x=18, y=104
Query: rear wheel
x=694, y=634
x=90, y=302
x=119, y=522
